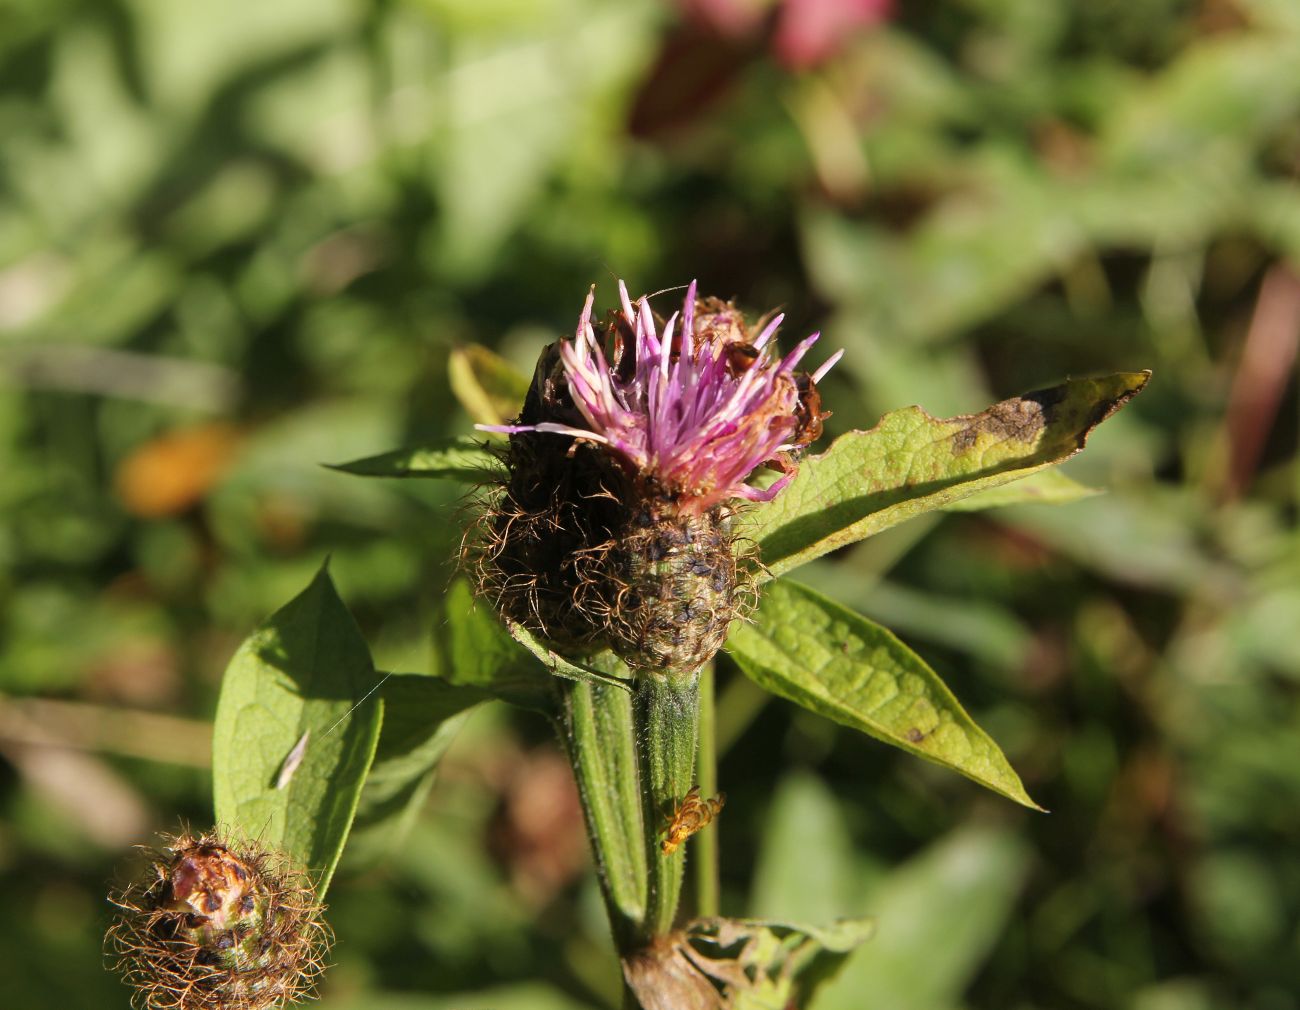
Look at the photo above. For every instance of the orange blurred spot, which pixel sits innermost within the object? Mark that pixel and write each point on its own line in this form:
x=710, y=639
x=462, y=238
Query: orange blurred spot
x=175, y=471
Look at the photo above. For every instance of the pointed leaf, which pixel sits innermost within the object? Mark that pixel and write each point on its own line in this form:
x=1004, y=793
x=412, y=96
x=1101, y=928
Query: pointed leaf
x=462, y=459
x=300, y=689
x=561, y=666
x=911, y=463
x=836, y=663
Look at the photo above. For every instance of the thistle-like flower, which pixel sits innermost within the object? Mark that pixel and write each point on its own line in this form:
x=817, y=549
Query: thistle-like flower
x=691, y=409
x=218, y=926
x=635, y=442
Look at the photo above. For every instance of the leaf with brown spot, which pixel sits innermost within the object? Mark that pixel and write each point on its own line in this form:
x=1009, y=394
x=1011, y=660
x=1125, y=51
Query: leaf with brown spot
x=838, y=664
x=911, y=463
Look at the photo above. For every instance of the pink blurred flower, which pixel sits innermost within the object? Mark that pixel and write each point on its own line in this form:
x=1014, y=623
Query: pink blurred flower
x=805, y=33
x=810, y=31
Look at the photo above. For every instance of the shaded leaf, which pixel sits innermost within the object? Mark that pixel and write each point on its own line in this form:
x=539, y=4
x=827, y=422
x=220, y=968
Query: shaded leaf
x=911, y=462
x=307, y=669
x=461, y=459
x=936, y=919
x=479, y=653
x=422, y=716
x=806, y=865
x=836, y=663
x=488, y=386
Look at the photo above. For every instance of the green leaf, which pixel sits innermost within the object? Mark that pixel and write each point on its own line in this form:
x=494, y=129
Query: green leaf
x=477, y=652
x=462, y=459
x=938, y=916
x=1047, y=487
x=562, y=666
x=806, y=866
x=422, y=715
x=911, y=463
x=1146, y=537
x=836, y=663
x=488, y=386
x=982, y=628
x=302, y=684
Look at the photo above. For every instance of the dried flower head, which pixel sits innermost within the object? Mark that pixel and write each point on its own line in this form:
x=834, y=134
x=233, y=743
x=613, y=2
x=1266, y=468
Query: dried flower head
x=636, y=441
x=215, y=925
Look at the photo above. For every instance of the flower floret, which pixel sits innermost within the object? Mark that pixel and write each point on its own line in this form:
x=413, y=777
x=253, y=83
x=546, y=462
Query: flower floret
x=699, y=409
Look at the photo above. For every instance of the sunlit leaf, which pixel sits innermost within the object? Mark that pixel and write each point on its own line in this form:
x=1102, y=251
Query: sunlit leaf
x=836, y=663
x=911, y=463
x=307, y=670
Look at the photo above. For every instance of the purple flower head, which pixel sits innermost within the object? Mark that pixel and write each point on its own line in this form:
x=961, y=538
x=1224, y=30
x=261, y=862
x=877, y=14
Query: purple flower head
x=694, y=407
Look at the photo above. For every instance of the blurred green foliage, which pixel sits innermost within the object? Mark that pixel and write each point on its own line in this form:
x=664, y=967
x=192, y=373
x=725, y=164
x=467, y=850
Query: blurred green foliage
x=238, y=240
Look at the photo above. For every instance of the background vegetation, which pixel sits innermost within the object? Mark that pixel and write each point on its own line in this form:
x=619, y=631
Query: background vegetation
x=240, y=239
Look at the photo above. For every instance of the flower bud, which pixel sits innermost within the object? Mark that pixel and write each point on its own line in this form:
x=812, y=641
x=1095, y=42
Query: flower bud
x=215, y=925
x=626, y=466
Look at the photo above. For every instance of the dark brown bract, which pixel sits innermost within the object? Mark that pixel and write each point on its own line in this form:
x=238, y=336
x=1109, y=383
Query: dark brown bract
x=579, y=550
x=635, y=446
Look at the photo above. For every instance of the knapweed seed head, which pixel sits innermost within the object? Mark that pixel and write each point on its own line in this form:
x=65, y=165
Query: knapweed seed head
x=636, y=443
x=216, y=925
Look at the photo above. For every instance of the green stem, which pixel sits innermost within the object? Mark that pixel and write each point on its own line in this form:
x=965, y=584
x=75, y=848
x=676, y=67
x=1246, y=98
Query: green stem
x=667, y=713
x=600, y=736
x=706, y=842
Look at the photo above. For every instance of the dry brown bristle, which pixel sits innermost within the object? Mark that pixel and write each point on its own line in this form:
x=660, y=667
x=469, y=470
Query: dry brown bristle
x=579, y=552
x=218, y=924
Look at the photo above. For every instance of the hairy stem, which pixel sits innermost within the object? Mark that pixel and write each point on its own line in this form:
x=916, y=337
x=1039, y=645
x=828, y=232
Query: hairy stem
x=599, y=734
x=706, y=842
x=667, y=713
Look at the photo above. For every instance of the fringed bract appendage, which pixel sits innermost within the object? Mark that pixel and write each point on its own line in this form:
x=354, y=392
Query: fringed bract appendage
x=216, y=925
x=636, y=441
